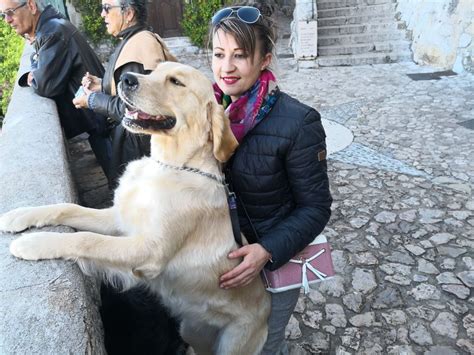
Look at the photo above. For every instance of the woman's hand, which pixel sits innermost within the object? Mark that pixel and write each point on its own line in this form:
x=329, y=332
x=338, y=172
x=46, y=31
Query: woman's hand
x=91, y=83
x=81, y=101
x=255, y=257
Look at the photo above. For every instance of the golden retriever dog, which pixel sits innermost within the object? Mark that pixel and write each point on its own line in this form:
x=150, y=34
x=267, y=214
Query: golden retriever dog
x=169, y=226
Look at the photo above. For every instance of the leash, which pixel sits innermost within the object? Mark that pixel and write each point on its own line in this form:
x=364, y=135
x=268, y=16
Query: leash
x=231, y=198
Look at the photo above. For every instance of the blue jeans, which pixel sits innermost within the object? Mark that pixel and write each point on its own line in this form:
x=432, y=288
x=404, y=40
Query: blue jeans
x=283, y=305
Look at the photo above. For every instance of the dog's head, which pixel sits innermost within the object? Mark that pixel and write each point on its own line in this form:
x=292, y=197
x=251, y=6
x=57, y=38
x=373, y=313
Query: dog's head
x=177, y=101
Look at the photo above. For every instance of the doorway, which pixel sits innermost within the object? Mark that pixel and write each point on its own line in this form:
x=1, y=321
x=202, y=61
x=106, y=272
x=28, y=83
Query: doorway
x=165, y=17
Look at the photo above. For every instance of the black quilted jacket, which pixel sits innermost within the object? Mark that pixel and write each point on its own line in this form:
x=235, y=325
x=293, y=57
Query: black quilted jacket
x=279, y=172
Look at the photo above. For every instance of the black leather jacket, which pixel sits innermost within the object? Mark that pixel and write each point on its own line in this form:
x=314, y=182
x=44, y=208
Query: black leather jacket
x=279, y=172
x=126, y=146
x=104, y=103
x=62, y=58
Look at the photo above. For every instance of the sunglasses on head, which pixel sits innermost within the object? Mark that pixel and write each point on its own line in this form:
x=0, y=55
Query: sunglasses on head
x=246, y=14
x=10, y=12
x=107, y=7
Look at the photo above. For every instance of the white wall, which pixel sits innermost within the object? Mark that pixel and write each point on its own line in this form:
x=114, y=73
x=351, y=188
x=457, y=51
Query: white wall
x=304, y=10
x=443, y=32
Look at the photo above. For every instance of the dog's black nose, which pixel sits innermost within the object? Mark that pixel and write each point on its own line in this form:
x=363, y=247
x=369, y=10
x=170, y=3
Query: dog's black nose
x=129, y=81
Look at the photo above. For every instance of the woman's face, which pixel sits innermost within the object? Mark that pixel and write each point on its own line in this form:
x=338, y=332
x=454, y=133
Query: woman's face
x=114, y=17
x=234, y=70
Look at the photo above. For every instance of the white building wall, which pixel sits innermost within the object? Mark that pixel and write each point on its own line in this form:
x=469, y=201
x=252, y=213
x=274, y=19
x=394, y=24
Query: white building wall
x=304, y=10
x=443, y=32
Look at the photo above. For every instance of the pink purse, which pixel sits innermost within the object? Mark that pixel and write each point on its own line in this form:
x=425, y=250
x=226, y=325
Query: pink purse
x=313, y=264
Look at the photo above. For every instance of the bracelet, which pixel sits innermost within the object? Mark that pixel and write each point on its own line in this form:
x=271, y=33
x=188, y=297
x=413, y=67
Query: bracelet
x=90, y=101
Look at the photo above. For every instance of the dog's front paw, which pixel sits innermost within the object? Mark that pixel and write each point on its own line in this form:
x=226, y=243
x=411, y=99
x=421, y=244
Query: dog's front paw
x=33, y=246
x=17, y=220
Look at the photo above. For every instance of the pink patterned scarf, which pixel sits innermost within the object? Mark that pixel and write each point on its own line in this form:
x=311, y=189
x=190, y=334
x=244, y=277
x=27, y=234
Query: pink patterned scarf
x=246, y=111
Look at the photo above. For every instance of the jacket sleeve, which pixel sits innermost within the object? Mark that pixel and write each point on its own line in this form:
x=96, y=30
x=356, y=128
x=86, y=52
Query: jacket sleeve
x=23, y=79
x=113, y=106
x=306, y=168
x=53, y=67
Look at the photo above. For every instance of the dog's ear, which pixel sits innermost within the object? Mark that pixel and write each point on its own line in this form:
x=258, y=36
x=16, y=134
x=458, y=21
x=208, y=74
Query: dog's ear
x=222, y=137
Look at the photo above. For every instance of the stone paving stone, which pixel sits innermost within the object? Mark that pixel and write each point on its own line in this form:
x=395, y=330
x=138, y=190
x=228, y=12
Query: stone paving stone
x=468, y=323
x=395, y=317
x=420, y=334
x=402, y=196
x=441, y=350
x=445, y=325
x=467, y=277
x=387, y=298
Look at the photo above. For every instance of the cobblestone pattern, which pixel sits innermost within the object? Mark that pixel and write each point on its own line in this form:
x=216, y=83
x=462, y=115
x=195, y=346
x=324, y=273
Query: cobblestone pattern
x=402, y=234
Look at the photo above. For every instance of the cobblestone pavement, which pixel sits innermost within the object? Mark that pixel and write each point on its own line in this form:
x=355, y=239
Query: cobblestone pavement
x=402, y=228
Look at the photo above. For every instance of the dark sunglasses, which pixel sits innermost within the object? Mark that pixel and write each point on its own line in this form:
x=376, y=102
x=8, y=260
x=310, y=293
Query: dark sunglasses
x=108, y=7
x=10, y=12
x=246, y=14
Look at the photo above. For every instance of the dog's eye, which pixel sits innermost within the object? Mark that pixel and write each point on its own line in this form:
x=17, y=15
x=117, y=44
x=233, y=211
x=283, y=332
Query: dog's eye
x=175, y=81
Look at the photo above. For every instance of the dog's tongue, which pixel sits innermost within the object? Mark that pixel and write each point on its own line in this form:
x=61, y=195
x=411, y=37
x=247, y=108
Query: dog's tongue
x=137, y=114
x=144, y=116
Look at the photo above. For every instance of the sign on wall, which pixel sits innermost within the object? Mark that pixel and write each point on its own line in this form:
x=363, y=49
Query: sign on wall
x=307, y=40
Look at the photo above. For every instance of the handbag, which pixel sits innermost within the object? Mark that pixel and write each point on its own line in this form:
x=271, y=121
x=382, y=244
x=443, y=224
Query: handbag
x=313, y=264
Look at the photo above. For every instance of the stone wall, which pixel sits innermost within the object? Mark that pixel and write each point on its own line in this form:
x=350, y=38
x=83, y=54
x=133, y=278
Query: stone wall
x=74, y=15
x=442, y=32
x=46, y=307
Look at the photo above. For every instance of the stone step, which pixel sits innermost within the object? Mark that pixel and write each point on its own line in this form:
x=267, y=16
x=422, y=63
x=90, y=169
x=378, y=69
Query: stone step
x=177, y=41
x=358, y=28
x=390, y=46
x=180, y=45
x=339, y=40
x=333, y=4
x=364, y=59
x=351, y=20
x=369, y=10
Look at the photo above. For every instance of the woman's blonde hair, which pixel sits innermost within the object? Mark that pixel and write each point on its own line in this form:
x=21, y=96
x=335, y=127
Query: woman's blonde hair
x=250, y=37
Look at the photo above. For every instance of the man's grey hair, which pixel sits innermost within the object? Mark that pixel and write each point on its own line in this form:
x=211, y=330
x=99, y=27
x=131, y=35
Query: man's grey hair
x=41, y=4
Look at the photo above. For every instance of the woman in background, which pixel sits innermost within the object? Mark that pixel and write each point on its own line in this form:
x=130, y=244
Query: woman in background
x=139, y=51
x=134, y=321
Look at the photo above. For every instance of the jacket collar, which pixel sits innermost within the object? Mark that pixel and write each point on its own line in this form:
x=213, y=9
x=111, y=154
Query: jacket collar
x=48, y=13
x=130, y=31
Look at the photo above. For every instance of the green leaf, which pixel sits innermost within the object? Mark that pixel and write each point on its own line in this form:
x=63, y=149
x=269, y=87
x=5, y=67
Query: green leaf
x=12, y=47
x=196, y=19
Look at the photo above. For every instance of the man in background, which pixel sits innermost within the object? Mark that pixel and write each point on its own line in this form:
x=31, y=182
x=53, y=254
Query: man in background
x=62, y=57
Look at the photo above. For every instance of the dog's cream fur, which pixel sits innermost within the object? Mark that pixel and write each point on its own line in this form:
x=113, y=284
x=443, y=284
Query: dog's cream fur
x=167, y=228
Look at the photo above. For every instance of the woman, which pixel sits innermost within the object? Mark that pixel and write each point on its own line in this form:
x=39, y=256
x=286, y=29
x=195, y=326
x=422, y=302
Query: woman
x=139, y=51
x=134, y=321
x=279, y=171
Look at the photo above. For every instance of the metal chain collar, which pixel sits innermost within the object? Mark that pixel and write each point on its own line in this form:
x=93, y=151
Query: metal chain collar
x=193, y=170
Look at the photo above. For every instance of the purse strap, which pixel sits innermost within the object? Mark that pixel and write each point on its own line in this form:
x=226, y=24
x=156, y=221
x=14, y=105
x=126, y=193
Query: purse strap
x=232, y=200
x=234, y=216
x=251, y=240
x=257, y=238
